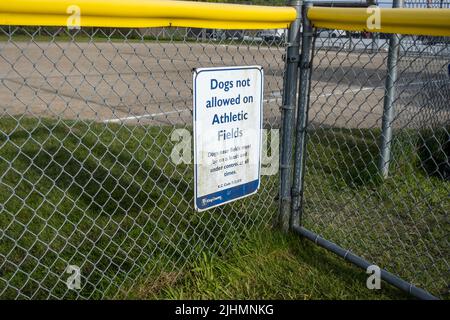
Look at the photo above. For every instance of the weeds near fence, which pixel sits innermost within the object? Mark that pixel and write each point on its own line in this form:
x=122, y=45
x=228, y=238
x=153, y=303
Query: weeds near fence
x=98, y=215
x=265, y=264
x=346, y=199
x=106, y=198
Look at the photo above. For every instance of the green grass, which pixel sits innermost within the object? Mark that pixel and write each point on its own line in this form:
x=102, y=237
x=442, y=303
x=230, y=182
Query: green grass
x=111, y=35
x=81, y=36
x=400, y=223
x=265, y=265
x=108, y=198
x=171, y=36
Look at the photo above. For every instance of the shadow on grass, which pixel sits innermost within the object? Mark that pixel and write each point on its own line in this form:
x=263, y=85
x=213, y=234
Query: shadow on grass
x=344, y=273
x=102, y=190
x=434, y=152
x=351, y=155
x=267, y=264
x=105, y=198
x=348, y=154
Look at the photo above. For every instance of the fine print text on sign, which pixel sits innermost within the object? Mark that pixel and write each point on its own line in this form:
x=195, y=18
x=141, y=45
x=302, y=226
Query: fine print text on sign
x=228, y=104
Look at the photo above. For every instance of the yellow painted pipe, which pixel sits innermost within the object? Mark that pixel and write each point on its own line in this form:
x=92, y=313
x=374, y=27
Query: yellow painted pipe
x=143, y=13
x=433, y=22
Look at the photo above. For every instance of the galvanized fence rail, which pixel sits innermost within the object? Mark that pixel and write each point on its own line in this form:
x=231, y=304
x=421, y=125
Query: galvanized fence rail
x=374, y=128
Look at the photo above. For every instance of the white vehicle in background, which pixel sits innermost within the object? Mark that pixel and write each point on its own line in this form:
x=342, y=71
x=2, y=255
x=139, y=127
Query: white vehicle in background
x=326, y=33
x=253, y=38
x=273, y=35
x=385, y=3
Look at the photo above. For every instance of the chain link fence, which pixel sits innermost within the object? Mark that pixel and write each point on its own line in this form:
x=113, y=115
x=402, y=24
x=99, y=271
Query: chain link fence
x=399, y=222
x=440, y=4
x=95, y=177
x=378, y=42
x=91, y=122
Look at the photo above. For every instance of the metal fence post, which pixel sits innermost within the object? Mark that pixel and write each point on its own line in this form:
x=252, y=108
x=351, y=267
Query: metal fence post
x=289, y=97
x=302, y=119
x=388, y=107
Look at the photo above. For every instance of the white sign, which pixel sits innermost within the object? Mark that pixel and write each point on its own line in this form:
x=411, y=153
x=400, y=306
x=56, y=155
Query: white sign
x=228, y=103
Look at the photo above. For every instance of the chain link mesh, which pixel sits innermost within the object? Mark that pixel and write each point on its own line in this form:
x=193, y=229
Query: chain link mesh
x=86, y=173
x=399, y=222
x=87, y=177
x=441, y=4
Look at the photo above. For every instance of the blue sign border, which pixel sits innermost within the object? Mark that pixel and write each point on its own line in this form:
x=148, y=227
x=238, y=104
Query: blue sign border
x=236, y=192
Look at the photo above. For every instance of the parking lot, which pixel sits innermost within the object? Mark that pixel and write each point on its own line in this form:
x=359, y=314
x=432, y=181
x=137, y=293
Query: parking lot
x=151, y=82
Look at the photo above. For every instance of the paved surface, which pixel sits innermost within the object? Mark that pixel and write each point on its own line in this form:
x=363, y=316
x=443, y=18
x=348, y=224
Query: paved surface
x=151, y=83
